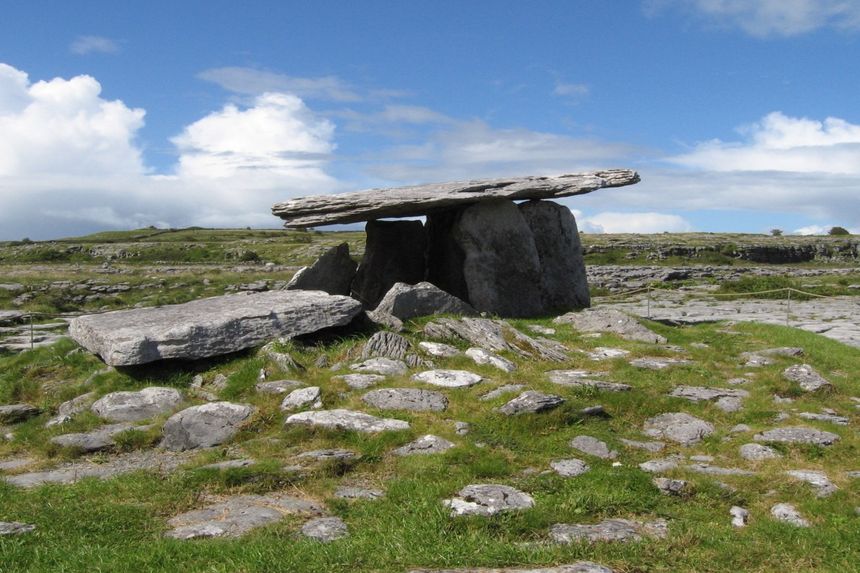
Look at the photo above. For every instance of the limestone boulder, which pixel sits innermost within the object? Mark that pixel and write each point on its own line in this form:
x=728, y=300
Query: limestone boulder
x=610, y=320
x=409, y=301
x=205, y=425
x=135, y=406
x=333, y=273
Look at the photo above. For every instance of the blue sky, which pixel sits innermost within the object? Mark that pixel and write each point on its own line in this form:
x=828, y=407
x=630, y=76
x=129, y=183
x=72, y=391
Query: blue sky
x=740, y=115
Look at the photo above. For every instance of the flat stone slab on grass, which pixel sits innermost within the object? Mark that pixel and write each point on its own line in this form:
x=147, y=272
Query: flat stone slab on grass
x=277, y=386
x=787, y=513
x=448, y=378
x=381, y=366
x=501, y=391
x=406, y=399
x=136, y=406
x=209, y=326
x=481, y=356
x=238, y=515
x=679, y=427
x=15, y=528
x=310, y=397
x=495, y=336
x=593, y=447
x=758, y=452
x=438, y=349
x=96, y=440
x=606, y=353
x=652, y=447
x=806, y=377
x=610, y=320
x=325, y=529
x=428, y=444
x=531, y=402
x=328, y=454
x=423, y=299
x=572, y=467
x=609, y=530
x=658, y=363
x=16, y=413
x=705, y=394
x=817, y=479
x=577, y=567
x=341, y=419
x=488, y=499
x=360, y=381
x=15, y=463
x=825, y=417
x=353, y=492
x=585, y=379
x=708, y=469
x=205, y=425
x=797, y=435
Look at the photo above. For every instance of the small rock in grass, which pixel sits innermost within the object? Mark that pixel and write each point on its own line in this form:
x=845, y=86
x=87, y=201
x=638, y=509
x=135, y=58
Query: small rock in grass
x=15, y=528
x=16, y=413
x=679, y=427
x=438, y=349
x=758, y=452
x=670, y=486
x=410, y=399
x=569, y=468
x=488, y=499
x=593, y=447
x=658, y=363
x=797, y=435
x=481, y=356
x=328, y=454
x=739, y=428
x=609, y=530
x=787, y=513
x=349, y=492
x=448, y=378
x=342, y=419
x=806, y=377
x=819, y=480
x=204, y=426
x=277, y=386
x=740, y=516
x=531, y=402
x=501, y=390
x=832, y=418
x=383, y=366
x=652, y=447
x=229, y=464
x=604, y=353
x=462, y=428
x=360, y=381
x=659, y=466
x=428, y=444
x=325, y=529
x=309, y=397
x=136, y=406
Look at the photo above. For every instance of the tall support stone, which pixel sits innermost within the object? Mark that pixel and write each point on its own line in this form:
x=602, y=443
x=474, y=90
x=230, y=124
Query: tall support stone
x=395, y=252
x=564, y=285
x=444, y=256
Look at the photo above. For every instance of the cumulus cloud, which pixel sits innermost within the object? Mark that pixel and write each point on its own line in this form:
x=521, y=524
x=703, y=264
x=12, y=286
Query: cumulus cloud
x=763, y=18
x=83, y=45
x=633, y=222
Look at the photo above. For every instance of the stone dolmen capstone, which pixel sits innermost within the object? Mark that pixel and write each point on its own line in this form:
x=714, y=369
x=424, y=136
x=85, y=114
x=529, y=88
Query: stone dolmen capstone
x=209, y=326
x=478, y=245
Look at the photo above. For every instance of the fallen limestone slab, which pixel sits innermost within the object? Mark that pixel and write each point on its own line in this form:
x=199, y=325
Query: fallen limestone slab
x=385, y=345
x=448, y=378
x=136, y=406
x=204, y=426
x=610, y=320
x=679, y=427
x=488, y=499
x=310, y=397
x=817, y=479
x=410, y=399
x=238, y=515
x=571, y=467
x=360, y=381
x=495, y=336
x=622, y=530
x=424, y=445
x=341, y=419
x=798, y=435
x=96, y=440
x=382, y=366
x=806, y=377
x=423, y=199
x=593, y=447
x=423, y=299
x=531, y=402
x=209, y=326
x=577, y=567
x=584, y=379
x=787, y=513
x=481, y=357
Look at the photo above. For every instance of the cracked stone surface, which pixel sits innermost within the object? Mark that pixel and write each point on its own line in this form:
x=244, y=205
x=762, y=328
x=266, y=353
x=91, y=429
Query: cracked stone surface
x=740, y=516
x=605, y=353
x=758, y=452
x=310, y=397
x=428, y=444
x=360, y=381
x=584, y=379
x=679, y=427
x=817, y=479
x=438, y=349
x=137, y=406
x=238, y=515
x=608, y=319
x=410, y=399
x=570, y=467
x=481, y=356
x=69, y=409
x=658, y=363
x=96, y=440
x=448, y=378
x=660, y=465
x=593, y=447
x=277, y=386
x=15, y=528
x=488, y=499
x=705, y=394
x=797, y=435
x=670, y=486
x=341, y=419
x=380, y=365
x=609, y=530
x=531, y=402
x=325, y=529
x=825, y=417
x=500, y=391
x=787, y=513
x=806, y=377
x=205, y=425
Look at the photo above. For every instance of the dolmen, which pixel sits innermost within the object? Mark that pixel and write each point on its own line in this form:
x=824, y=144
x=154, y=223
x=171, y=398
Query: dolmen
x=499, y=245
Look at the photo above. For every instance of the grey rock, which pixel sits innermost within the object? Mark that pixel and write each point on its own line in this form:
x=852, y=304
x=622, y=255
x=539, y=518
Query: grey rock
x=621, y=530
x=495, y=336
x=576, y=567
x=95, y=440
x=787, y=351
x=325, y=529
x=438, y=349
x=204, y=426
x=310, y=397
x=462, y=428
x=539, y=329
x=585, y=379
x=611, y=320
x=383, y=366
x=817, y=479
x=428, y=444
x=488, y=499
x=531, y=402
x=758, y=452
x=406, y=301
x=360, y=381
x=832, y=418
x=333, y=272
x=737, y=381
x=704, y=394
x=386, y=345
x=394, y=253
x=238, y=515
x=670, y=486
x=708, y=469
x=570, y=467
x=481, y=356
x=328, y=455
x=277, y=386
x=600, y=353
x=282, y=359
x=229, y=464
x=754, y=360
x=787, y=513
x=15, y=528
x=659, y=466
x=658, y=363
x=797, y=435
x=15, y=463
x=69, y=409
x=16, y=413
x=806, y=377
x=136, y=406
x=729, y=404
x=740, y=516
x=348, y=492
x=500, y=391
x=423, y=199
x=406, y=399
x=679, y=427
x=210, y=326
x=384, y=320
x=652, y=447
x=448, y=378
x=341, y=419
x=739, y=428
x=593, y=447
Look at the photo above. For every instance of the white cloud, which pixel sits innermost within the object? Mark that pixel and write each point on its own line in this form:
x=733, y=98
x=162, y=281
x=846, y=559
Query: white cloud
x=763, y=18
x=251, y=81
x=571, y=91
x=649, y=222
x=83, y=45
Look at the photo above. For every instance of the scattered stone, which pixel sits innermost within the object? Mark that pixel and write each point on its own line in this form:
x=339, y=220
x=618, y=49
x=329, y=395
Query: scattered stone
x=96, y=440
x=659, y=466
x=787, y=513
x=531, y=402
x=740, y=516
x=781, y=400
x=282, y=359
x=832, y=418
x=406, y=399
x=806, y=377
x=597, y=411
x=332, y=272
x=325, y=529
x=384, y=320
x=609, y=530
x=788, y=351
x=277, y=386
x=670, y=486
x=758, y=452
x=438, y=349
x=853, y=474
x=310, y=397
x=383, y=366
x=593, y=447
x=819, y=480
x=15, y=463
x=737, y=381
x=658, y=363
x=500, y=391
x=210, y=326
x=701, y=393
x=543, y=330
x=448, y=378
x=360, y=381
x=583, y=379
x=428, y=444
x=462, y=428
x=495, y=336
x=797, y=435
x=481, y=356
x=729, y=404
x=69, y=409
x=15, y=528
x=753, y=360
x=611, y=320
x=204, y=426
x=718, y=471
x=423, y=299
x=679, y=427
x=569, y=468
x=385, y=345
x=16, y=413
x=652, y=447
x=238, y=515
x=348, y=492
x=739, y=429
x=605, y=353
x=341, y=419
x=488, y=499
x=136, y=406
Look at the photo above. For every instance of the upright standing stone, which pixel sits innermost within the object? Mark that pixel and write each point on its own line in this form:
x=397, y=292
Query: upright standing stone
x=564, y=285
x=395, y=252
x=333, y=272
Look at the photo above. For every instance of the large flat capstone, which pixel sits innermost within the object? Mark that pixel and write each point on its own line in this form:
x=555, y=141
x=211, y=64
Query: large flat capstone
x=210, y=326
x=423, y=199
